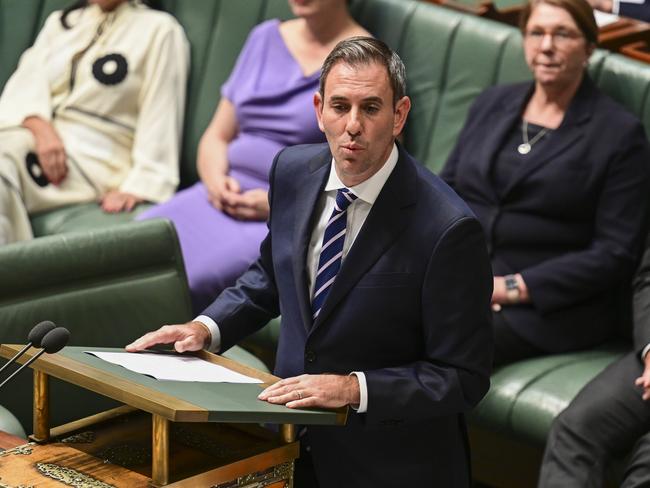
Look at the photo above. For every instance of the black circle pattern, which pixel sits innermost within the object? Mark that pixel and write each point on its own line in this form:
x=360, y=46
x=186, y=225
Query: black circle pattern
x=35, y=170
x=116, y=76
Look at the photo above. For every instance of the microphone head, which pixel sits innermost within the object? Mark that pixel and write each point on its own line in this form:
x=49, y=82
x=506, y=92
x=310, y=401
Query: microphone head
x=55, y=340
x=38, y=332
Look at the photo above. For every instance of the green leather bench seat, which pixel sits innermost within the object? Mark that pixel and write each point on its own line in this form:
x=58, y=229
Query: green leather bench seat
x=525, y=397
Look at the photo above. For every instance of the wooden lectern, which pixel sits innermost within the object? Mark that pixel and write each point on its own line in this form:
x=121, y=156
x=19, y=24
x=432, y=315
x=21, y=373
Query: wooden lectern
x=168, y=433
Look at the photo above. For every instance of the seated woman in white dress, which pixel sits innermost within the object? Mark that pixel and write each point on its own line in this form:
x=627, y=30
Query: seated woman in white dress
x=93, y=113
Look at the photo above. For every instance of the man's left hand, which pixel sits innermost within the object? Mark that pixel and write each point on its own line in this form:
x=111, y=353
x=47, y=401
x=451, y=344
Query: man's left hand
x=314, y=390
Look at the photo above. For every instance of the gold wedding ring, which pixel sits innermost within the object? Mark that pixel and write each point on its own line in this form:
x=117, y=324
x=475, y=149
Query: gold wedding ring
x=299, y=394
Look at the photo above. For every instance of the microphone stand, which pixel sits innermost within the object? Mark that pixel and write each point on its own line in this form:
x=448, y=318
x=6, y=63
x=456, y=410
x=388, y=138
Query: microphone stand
x=13, y=359
x=30, y=361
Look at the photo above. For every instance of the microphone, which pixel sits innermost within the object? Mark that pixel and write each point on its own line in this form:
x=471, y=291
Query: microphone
x=34, y=338
x=52, y=342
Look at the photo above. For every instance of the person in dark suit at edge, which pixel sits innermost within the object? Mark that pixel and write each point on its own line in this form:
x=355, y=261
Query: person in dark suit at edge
x=610, y=417
x=382, y=277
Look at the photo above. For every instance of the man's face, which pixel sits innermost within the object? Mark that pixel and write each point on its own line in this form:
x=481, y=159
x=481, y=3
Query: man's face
x=359, y=120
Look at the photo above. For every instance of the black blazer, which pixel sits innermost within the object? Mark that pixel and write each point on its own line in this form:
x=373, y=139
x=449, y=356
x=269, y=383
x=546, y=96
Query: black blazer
x=570, y=220
x=409, y=308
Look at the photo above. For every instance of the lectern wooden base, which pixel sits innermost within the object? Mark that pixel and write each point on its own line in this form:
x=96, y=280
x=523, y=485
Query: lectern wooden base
x=117, y=452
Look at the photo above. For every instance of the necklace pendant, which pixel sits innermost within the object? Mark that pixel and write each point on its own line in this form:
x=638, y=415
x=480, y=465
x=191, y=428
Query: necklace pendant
x=523, y=148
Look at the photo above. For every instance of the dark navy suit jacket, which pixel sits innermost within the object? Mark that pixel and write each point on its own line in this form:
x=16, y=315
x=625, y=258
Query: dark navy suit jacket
x=409, y=307
x=571, y=219
x=639, y=11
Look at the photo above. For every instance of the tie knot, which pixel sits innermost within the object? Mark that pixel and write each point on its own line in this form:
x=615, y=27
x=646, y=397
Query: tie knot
x=344, y=197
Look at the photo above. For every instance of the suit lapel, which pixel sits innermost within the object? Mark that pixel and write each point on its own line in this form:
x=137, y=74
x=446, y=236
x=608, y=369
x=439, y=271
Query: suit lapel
x=498, y=127
x=306, y=198
x=385, y=222
x=570, y=131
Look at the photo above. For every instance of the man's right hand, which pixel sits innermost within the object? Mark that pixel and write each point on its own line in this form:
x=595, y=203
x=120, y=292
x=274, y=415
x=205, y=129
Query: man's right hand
x=192, y=336
x=49, y=149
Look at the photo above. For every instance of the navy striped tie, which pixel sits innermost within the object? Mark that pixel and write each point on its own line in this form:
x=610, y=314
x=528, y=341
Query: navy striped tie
x=331, y=254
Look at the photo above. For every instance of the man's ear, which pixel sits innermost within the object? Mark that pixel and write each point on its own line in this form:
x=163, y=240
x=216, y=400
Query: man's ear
x=318, y=107
x=402, y=108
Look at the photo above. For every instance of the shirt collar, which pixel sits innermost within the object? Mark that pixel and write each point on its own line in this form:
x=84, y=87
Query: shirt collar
x=366, y=190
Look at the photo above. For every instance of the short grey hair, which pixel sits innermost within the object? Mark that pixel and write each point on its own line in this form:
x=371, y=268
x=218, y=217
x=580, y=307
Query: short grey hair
x=360, y=50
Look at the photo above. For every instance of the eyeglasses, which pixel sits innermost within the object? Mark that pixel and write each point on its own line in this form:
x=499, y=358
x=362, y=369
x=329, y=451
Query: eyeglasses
x=560, y=37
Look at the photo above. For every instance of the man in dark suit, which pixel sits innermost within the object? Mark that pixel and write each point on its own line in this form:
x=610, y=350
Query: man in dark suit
x=610, y=416
x=383, y=281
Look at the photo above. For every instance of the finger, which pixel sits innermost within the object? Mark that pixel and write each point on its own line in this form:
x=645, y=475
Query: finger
x=304, y=403
x=230, y=210
x=46, y=166
x=57, y=167
x=115, y=202
x=291, y=396
x=63, y=167
x=279, y=388
x=646, y=394
x=190, y=343
x=109, y=204
x=246, y=213
x=130, y=202
x=230, y=198
x=164, y=335
x=232, y=184
x=216, y=203
x=638, y=381
x=274, y=390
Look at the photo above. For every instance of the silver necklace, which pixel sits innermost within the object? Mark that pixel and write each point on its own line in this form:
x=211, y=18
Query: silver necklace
x=526, y=146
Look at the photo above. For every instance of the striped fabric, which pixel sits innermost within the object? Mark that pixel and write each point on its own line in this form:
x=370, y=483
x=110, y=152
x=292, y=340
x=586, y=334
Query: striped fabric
x=331, y=254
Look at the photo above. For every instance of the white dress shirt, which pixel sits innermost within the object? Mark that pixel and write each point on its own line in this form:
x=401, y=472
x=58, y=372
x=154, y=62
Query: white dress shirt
x=357, y=212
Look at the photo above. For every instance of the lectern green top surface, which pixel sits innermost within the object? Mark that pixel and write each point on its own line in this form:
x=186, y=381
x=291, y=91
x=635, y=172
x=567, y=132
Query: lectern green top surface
x=177, y=400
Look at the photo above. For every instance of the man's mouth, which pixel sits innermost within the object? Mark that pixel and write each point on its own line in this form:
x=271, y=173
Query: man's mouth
x=352, y=147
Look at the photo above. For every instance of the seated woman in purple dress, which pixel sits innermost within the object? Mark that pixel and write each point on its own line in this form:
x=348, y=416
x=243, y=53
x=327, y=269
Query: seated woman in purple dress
x=266, y=105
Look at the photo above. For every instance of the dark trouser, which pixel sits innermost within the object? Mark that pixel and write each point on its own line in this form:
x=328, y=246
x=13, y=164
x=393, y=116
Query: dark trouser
x=304, y=474
x=508, y=346
x=606, y=419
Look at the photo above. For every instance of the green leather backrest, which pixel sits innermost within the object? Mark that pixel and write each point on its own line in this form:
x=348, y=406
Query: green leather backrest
x=628, y=82
x=106, y=287
x=18, y=23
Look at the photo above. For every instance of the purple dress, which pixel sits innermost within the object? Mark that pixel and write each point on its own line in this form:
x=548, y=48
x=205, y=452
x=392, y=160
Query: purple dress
x=273, y=105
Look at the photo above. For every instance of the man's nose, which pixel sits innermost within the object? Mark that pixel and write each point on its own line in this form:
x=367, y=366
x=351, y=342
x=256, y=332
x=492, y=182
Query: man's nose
x=353, y=127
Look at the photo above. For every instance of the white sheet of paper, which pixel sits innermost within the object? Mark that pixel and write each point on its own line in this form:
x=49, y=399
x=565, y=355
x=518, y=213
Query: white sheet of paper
x=604, y=18
x=174, y=368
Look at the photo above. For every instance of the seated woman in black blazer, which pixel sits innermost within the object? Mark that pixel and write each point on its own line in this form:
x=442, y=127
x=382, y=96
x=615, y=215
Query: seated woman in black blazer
x=558, y=174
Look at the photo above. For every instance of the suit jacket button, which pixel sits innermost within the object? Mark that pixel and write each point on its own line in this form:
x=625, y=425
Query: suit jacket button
x=310, y=356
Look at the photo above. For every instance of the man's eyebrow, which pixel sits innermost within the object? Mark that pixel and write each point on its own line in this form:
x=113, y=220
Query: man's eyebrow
x=340, y=98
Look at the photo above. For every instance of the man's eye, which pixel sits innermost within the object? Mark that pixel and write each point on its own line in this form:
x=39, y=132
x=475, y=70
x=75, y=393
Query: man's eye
x=561, y=34
x=372, y=109
x=536, y=34
x=339, y=108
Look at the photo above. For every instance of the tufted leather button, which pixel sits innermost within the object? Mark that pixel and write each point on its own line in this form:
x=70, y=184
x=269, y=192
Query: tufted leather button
x=310, y=356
